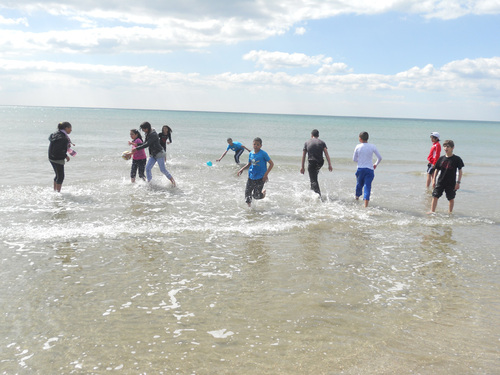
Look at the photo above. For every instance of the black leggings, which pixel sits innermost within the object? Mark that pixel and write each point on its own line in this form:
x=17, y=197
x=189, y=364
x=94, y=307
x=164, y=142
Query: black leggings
x=59, y=170
x=138, y=164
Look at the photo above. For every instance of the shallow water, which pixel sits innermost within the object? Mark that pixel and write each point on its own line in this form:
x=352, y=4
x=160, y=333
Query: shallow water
x=111, y=276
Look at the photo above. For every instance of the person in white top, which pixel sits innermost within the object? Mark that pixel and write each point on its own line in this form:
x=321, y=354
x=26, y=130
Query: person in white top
x=363, y=155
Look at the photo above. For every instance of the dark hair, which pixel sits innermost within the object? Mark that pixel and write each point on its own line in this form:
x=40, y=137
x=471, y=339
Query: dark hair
x=168, y=127
x=137, y=132
x=364, y=136
x=230, y=139
x=315, y=133
x=146, y=126
x=63, y=125
x=449, y=142
x=257, y=139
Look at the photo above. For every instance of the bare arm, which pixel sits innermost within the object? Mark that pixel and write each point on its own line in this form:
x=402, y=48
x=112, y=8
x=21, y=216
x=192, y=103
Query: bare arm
x=434, y=176
x=243, y=168
x=271, y=165
x=379, y=158
x=330, y=168
x=224, y=154
x=457, y=185
x=302, y=169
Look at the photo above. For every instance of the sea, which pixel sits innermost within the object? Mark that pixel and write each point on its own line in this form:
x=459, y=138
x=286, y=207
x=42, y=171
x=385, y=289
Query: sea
x=110, y=276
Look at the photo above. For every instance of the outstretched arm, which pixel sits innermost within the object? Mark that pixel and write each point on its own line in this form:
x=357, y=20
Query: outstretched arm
x=224, y=154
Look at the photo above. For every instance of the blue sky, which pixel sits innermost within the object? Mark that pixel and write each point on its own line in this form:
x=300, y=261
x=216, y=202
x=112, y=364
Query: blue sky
x=388, y=58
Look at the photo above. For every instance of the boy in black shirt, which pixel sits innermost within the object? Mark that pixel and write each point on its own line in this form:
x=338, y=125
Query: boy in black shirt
x=447, y=167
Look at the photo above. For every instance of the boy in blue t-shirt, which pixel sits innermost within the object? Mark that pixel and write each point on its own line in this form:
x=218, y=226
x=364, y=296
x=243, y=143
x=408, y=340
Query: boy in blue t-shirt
x=238, y=149
x=257, y=174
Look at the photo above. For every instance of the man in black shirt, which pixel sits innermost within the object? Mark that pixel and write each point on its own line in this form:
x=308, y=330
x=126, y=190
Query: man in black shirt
x=314, y=149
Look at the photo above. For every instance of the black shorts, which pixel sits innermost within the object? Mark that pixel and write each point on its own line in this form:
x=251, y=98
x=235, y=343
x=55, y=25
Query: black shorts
x=449, y=190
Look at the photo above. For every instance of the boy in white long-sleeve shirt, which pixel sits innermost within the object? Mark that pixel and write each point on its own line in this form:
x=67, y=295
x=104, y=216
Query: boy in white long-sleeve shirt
x=363, y=155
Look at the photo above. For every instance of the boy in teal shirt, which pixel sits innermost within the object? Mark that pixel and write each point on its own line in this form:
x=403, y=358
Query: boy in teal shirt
x=257, y=174
x=238, y=149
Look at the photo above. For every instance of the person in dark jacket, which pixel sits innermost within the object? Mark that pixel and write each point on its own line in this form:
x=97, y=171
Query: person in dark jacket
x=156, y=152
x=58, y=152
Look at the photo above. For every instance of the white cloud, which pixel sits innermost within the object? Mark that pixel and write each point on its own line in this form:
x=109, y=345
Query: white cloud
x=279, y=60
x=469, y=77
x=164, y=37
x=466, y=89
x=300, y=31
x=11, y=21
x=192, y=24
x=98, y=29
x=334, y=68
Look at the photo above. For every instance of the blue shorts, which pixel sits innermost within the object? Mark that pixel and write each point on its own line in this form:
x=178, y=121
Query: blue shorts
x=430, y=168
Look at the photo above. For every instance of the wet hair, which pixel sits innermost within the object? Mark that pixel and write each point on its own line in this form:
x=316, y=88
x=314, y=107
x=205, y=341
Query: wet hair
x=257, y=139
x=449, y=143
x=146, y=126
x=137, y=132
x=230, y=139
x=168, y=127
x=63, y=125
x=315, y=133
x=364, y=136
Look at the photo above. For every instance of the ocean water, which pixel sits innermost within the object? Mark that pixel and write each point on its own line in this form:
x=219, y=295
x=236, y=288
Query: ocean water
x=114, y=277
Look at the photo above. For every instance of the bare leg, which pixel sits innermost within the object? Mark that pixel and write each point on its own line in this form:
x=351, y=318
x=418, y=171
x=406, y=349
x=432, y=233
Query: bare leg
x=57, y=187
x=429, y=179
x=452, y=204
x=366, y=203
x=172, y=181
x=132, y=180
x=433, y=205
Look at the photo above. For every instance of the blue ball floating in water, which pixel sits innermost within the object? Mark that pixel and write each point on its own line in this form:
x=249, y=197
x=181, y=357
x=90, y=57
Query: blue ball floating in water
x=209, y=163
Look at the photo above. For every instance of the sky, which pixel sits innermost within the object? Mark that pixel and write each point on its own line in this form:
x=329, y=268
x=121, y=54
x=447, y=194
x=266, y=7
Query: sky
x=435, y=59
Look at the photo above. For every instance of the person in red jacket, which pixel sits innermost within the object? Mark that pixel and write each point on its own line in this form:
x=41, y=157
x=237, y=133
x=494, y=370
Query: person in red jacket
x=433, y=156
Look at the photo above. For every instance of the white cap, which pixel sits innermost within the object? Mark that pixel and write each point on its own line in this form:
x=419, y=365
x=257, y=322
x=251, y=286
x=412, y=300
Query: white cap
x=435, y=134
